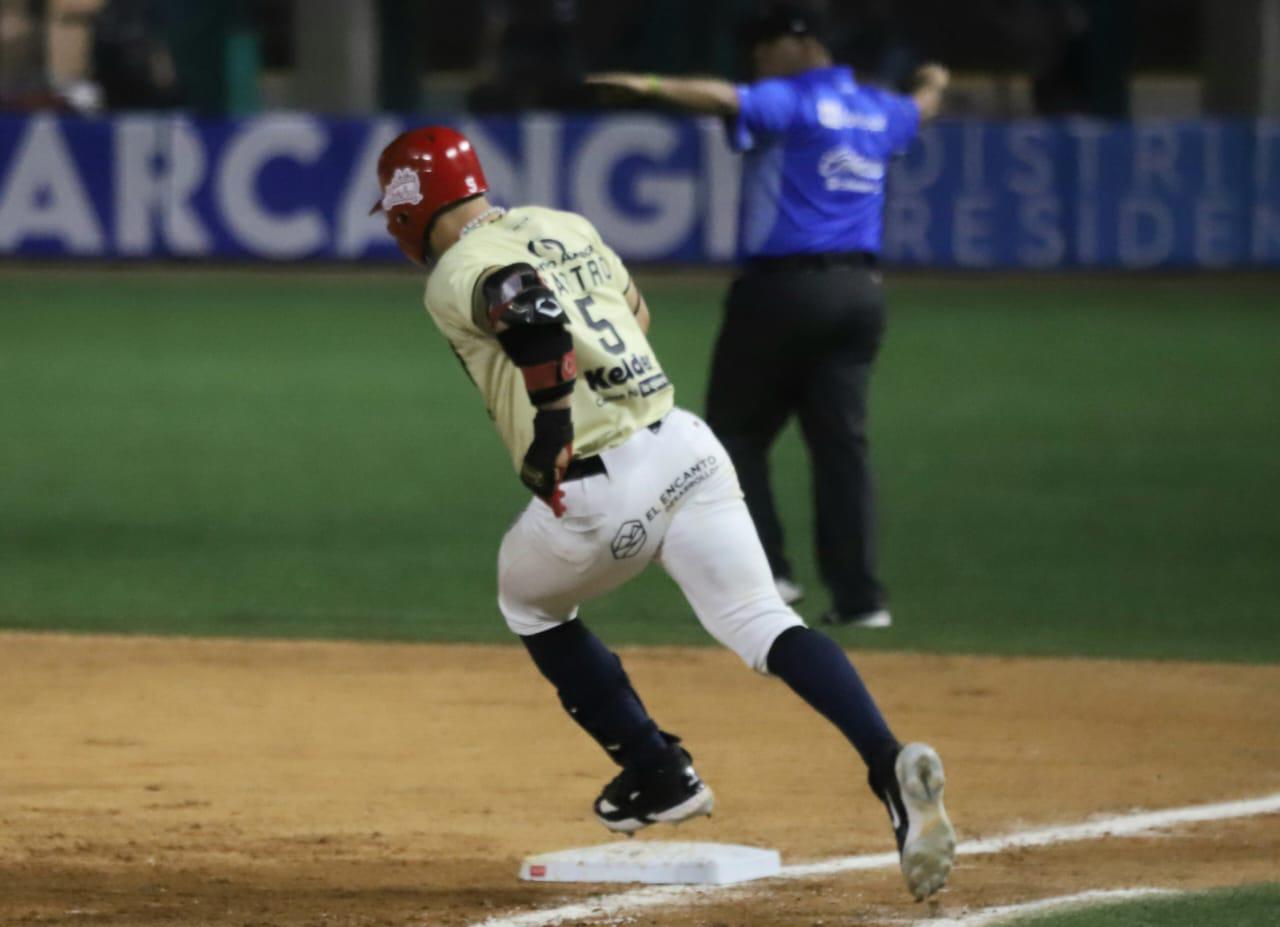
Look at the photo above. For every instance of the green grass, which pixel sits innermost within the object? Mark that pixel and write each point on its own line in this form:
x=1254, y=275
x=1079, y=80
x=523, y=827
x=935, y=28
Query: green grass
x=1251, y=906
x=1067, y=465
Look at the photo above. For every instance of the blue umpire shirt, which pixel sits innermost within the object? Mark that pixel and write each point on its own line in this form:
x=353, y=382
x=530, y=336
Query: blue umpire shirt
x=817, y=150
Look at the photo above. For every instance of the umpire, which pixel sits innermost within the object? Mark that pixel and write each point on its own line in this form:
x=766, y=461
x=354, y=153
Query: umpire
x=805, y=316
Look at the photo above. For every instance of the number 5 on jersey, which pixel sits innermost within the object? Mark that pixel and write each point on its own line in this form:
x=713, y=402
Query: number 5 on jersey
x=613, y=342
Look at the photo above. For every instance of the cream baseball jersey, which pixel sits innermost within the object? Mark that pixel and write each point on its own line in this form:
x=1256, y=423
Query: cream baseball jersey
x=620, y=387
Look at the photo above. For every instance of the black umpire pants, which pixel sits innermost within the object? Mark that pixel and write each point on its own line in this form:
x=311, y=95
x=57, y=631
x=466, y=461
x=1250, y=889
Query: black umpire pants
x=800, y=337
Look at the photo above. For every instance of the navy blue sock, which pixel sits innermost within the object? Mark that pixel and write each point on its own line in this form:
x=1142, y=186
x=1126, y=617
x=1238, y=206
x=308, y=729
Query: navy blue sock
x=596, y=692
x=815, y=667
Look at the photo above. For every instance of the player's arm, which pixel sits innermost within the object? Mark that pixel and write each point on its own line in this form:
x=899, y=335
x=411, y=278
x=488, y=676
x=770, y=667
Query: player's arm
x=531, y=325
x=699, y=94
x=639, y=308
x=929, y=87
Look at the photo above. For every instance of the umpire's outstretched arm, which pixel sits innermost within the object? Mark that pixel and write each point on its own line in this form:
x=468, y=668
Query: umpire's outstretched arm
x=720, y=98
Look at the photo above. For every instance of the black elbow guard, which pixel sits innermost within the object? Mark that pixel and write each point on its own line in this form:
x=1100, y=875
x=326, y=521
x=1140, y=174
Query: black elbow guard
x=536, y=336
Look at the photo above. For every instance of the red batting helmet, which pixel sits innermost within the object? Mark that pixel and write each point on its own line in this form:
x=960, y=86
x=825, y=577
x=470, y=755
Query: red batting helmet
x=422, y=172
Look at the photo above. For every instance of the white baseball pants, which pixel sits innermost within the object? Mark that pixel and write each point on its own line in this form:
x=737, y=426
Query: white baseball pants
x=670, y=495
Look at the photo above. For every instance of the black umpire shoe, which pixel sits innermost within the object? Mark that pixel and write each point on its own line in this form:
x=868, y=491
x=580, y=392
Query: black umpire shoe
x=910, y=780
x=669, y=793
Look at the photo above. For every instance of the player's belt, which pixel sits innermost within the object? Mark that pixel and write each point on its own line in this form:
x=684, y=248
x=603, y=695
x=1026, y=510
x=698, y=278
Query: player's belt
x=820, y=261
x=582, y=467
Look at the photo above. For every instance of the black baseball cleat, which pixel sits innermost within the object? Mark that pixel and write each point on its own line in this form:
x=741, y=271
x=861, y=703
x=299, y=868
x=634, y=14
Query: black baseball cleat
x=669, y=793
x=910, y=782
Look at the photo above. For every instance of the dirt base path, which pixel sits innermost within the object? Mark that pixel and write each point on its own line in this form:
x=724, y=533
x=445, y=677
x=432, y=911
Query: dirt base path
x=149, y=781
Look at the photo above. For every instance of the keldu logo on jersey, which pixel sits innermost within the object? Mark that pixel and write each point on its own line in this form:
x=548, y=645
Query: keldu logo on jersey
x=638, y=367
x=404, y=189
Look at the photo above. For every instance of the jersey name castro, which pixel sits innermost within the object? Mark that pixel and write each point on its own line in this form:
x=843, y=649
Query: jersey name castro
x=621, y=386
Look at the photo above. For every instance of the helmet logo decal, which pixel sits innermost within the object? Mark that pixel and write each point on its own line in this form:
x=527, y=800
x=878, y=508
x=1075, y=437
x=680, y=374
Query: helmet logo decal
x=403, y=189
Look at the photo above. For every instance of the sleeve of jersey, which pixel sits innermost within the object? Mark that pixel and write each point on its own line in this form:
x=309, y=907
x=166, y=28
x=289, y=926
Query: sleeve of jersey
x=765, y=108
x=450, y=296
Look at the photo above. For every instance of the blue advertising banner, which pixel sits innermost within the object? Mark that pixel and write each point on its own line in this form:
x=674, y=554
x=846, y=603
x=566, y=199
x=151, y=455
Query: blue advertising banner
x=1072, y=193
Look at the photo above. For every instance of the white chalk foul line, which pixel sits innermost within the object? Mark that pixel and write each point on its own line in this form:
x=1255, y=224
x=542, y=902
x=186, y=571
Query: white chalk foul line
x=1120, y=826
x=1007, y=912
x=1127, y=825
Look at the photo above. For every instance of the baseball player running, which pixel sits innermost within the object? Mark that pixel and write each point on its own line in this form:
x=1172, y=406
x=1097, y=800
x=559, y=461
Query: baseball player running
x=551, y=329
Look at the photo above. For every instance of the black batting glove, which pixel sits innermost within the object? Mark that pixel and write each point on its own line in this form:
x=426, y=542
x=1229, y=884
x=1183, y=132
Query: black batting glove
x=552, y=433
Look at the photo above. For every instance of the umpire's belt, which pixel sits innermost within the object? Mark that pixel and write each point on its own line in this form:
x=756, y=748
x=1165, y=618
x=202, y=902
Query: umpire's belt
x=582, y=467
x=819, y=261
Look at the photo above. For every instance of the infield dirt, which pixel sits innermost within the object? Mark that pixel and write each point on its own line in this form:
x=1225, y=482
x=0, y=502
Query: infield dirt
x=147, y=781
